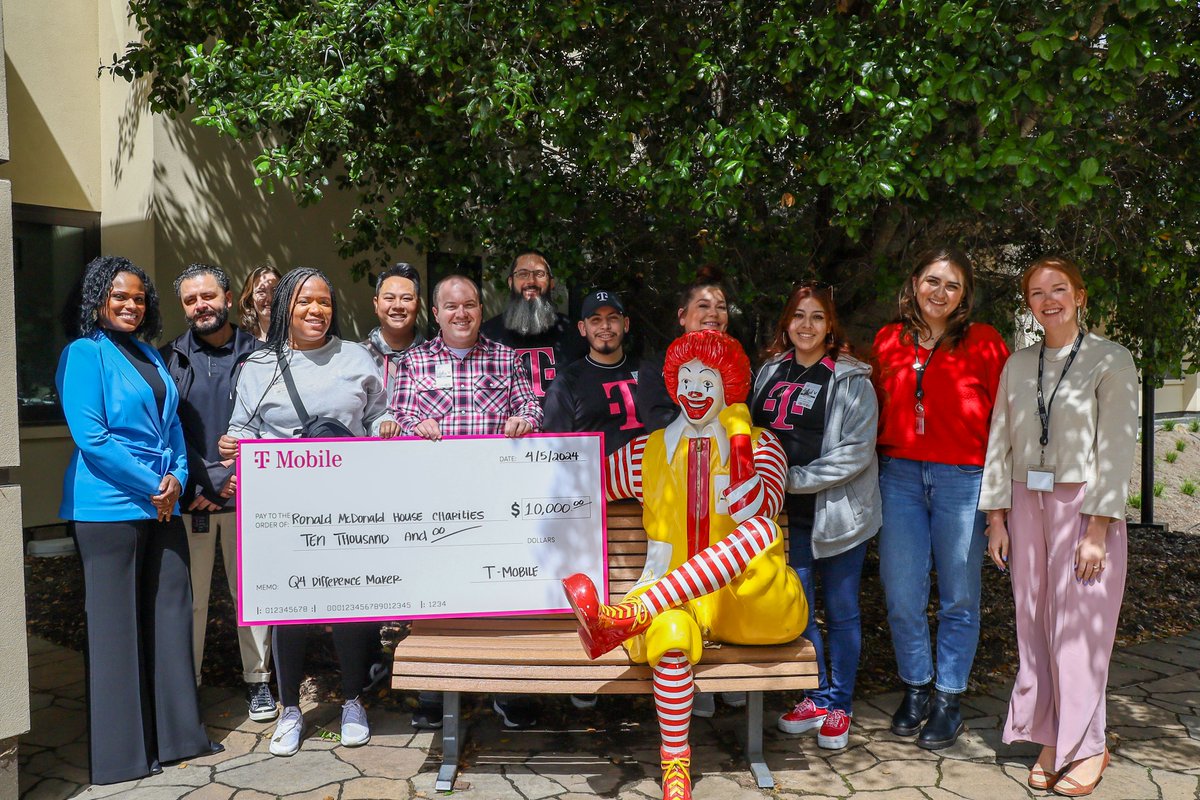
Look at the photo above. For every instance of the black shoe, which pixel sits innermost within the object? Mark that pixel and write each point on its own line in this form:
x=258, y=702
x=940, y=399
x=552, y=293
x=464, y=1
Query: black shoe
x=913, y=710
x=944, y=725
x=260, y=704
x=517, y=713
x=428, y=716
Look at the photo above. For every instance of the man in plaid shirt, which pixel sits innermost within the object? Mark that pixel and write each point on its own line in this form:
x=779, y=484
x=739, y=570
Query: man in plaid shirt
x=461, y=383
x=464, y=384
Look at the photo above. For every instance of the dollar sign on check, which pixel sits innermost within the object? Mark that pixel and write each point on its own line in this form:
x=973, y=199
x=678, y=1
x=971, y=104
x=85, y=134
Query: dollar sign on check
x=516, y=509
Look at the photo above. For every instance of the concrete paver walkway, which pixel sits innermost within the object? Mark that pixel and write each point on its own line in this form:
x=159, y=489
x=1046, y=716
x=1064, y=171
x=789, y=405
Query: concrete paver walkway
x=1154, y=734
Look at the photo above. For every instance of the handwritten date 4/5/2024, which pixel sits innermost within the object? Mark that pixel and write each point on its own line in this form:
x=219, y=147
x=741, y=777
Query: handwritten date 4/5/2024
x=539, y=456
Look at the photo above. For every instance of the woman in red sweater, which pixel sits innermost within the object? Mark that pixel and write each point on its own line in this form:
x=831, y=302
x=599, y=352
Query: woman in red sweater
x=936, y=374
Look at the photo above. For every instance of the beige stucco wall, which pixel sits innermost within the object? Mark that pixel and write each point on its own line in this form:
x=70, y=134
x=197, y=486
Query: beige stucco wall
x=14, y=678
x=51, y=53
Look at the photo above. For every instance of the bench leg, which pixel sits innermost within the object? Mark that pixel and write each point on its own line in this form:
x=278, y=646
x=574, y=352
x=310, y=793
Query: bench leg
x=754, y=741
x=450, y=743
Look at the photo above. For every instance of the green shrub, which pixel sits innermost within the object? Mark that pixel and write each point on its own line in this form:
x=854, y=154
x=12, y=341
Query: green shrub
x=1135, y=500
x=1194, y=426
x=1180, y=445
x=1169, y=425
x=1170, y=457
x=1159, y=486
x=1188, y=488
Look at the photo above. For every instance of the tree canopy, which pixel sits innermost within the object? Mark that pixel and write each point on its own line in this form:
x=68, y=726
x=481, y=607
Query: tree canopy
x=780, y=140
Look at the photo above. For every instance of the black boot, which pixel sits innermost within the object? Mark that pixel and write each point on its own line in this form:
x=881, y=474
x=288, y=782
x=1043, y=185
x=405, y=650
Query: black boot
x=913, y=710
x=944, y=724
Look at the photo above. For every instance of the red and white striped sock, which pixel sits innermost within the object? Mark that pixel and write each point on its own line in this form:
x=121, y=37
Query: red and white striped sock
x=711, y=568
x=673, y=691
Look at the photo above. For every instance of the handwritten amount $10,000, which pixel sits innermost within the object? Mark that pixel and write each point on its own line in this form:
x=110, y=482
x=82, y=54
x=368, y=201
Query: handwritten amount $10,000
x=548, y=509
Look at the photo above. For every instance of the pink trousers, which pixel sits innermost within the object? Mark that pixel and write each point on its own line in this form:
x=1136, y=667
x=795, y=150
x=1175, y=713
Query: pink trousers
x=1065, y=628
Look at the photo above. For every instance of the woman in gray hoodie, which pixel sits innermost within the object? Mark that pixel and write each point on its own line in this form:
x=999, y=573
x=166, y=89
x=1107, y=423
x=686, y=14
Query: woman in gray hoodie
x=819, y=401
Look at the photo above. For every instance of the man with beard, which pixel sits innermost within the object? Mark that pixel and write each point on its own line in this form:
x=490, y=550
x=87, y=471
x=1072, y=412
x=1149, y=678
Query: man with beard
x=531, y=324
x=203, y=362
x=599, y=391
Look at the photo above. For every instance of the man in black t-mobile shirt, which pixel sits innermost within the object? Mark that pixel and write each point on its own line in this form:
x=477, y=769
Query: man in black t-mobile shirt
x=599, y=391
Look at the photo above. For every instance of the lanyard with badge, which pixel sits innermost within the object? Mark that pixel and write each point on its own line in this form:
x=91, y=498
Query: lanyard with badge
x=1041, y=477
x=919, y=393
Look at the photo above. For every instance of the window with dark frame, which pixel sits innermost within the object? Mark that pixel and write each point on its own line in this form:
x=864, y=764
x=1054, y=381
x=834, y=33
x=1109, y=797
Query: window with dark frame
x=51, y=246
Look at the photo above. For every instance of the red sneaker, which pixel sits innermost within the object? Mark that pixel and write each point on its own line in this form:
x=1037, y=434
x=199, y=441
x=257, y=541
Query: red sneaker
x=806, y=716
x=677, y=780
x=603, y=627
x=835, y=733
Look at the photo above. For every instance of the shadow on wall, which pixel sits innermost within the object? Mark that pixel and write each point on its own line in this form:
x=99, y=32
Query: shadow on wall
x=206, y=208
x=39, y=170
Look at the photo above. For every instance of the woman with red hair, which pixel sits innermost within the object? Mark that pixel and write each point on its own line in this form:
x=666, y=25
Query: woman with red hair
x=818, y=399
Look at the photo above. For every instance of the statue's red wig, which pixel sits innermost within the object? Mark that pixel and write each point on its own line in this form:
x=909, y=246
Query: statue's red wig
x=714, y=349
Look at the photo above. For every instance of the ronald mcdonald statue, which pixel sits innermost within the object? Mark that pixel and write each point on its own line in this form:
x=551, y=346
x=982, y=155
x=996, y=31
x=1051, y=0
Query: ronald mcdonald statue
x=710, y=486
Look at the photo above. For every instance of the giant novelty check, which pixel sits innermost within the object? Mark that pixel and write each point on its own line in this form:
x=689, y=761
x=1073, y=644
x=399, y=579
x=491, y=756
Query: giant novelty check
x=359, y=529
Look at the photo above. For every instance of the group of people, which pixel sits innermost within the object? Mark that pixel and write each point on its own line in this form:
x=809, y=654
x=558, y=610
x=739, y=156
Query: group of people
x=937, y=440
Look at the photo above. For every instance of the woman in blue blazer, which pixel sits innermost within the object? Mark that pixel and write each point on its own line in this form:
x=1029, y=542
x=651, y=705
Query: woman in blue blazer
x=121, y=489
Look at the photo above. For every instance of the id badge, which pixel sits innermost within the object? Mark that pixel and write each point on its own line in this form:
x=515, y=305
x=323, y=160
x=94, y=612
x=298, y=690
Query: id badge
x=443, y=376
x=200, y=522
x=1040, y=479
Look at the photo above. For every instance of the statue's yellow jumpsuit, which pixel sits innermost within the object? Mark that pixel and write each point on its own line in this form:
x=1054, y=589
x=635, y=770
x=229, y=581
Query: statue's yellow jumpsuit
x=680, y=482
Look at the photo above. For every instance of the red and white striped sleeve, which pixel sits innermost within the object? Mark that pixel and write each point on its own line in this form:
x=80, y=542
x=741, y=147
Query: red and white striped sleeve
x=763, y=494
x=623, y=471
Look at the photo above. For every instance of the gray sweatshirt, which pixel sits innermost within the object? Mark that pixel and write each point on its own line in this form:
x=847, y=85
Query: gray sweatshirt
x=337, y=380
x=845, y=477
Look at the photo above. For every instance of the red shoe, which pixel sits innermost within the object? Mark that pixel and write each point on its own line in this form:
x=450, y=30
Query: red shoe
x=677, y=780
x=602, y=627
x=835, y=733
x=806, y=716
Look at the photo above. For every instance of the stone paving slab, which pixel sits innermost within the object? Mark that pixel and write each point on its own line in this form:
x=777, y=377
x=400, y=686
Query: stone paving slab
x=1153, y=714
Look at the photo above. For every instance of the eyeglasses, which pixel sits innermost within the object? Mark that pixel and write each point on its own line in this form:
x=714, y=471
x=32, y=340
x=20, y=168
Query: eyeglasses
x=526, y=274
x=814, y=286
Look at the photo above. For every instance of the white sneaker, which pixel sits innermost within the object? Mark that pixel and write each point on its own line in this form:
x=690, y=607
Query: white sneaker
x=355, y=730
x=734, y=699
x=285, y=741
x=704, y=705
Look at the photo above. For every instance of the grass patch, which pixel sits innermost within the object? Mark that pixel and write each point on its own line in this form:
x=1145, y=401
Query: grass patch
x=1188, y=488
x=1159, y=487
x=1194, y=426
x=1135, y=500
x=1170, y=457
x=1169, y=425
x=1180, y=445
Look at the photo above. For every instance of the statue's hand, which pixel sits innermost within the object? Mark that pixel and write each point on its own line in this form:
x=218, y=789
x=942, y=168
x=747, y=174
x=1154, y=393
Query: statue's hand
x=735, y=418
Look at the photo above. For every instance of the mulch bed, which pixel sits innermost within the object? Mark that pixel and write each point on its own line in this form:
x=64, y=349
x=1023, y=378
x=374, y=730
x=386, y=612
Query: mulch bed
x=1162, y=598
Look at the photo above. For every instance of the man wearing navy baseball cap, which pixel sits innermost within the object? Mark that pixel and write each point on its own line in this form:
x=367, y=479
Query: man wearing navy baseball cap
x=599, y=391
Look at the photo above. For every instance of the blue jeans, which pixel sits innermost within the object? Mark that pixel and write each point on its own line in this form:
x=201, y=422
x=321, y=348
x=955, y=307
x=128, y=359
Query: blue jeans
x=931, y=520
x=839, y=576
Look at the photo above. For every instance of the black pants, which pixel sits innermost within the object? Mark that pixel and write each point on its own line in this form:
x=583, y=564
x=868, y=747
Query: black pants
x=351, y=640
x=142, y=703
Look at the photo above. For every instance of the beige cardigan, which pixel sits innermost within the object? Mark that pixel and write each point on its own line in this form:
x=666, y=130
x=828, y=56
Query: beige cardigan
x=1093, y=425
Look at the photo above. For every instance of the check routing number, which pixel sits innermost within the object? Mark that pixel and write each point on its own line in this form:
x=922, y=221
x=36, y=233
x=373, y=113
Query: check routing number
x=362, y=529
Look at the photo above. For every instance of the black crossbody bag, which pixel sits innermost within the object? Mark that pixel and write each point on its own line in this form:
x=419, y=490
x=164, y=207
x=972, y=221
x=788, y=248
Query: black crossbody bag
x=311, y=427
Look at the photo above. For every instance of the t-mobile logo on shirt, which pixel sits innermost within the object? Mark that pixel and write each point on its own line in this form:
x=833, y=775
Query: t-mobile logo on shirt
x=540, y=361
x=623, y=403
x=790, y=398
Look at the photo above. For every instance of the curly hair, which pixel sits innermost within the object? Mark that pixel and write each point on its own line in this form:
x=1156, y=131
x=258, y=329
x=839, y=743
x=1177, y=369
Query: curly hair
x=714, y=349
x=835, y=340
x=94, y=289
x=284, y=302
x=246, y=310
x=913, y=324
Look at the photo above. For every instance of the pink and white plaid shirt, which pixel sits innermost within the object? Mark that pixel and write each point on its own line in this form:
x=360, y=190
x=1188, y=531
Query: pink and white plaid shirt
x=477, y=394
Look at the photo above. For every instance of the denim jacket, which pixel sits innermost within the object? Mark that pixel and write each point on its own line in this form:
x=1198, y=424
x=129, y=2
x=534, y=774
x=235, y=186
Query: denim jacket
x=845, y=477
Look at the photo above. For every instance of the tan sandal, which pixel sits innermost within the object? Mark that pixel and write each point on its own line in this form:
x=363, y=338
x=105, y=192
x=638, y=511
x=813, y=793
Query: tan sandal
x=1040, y=779
x=1069, y=787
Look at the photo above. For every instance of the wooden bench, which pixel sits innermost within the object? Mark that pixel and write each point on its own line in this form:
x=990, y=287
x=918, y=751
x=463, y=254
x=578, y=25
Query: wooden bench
x=542, y=655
